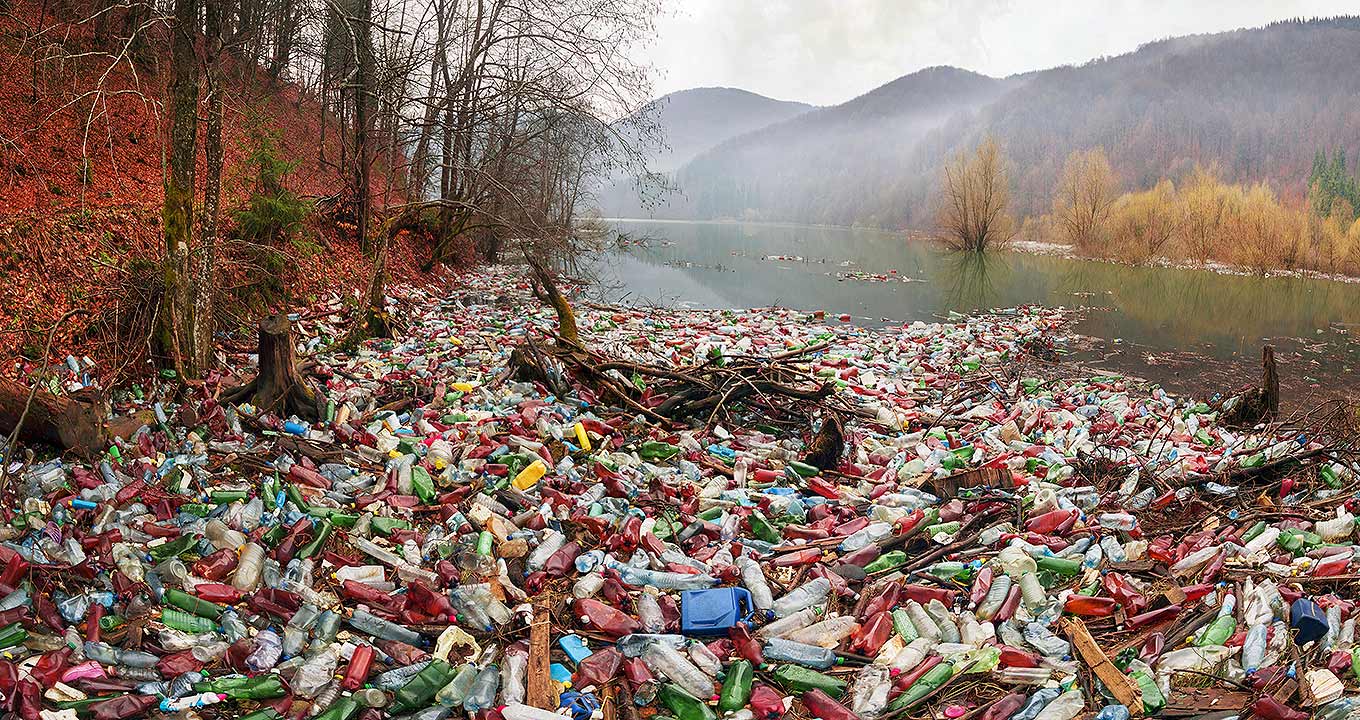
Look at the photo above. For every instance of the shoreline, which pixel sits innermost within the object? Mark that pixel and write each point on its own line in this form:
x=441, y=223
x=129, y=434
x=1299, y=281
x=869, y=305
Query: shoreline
x=1030, y=247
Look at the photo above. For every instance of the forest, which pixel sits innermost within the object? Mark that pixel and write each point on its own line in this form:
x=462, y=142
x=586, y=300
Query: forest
x=175, y=171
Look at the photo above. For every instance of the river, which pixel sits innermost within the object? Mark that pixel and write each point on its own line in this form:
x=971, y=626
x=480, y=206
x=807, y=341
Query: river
x=1194, y=331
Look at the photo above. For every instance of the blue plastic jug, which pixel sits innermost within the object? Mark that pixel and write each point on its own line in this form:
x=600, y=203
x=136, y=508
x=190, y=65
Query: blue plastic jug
x=1308, y=620
x=712, y=612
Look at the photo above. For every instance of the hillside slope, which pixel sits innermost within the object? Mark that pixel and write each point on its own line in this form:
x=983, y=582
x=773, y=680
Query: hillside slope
x=1258, y=103
x=81, y=191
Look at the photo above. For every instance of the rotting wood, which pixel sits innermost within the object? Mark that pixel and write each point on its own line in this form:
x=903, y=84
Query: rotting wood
x=1119, y=684
x=539, y=690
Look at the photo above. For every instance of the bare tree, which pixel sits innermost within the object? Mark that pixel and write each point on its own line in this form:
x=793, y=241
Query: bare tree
x=1084, y=196
x=972, y=213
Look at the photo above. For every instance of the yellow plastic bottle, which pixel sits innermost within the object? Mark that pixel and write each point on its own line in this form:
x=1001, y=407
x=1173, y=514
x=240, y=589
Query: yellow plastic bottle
x=530, y=475
x=581, y=438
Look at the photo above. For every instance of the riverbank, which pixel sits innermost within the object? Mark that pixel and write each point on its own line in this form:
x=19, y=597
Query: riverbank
x=887, y=492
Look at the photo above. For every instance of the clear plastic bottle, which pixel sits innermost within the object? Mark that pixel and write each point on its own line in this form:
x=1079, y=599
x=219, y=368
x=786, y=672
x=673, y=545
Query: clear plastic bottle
x=248, y=568
x=804, y=596
x=667, y=661
x=753, y=577
x=268, y=649
x=367, y=622
x=513, y=666
x=551, y=542
x=791, y=651
x=223, y=537
x=870, y=692
x=649, y=611
x=1036, y=703
x=315, y=674
x=1064, y=707
x=482, y=694
x=996, y=596
x=829, y=632
x=453, y=693
x=790, y=623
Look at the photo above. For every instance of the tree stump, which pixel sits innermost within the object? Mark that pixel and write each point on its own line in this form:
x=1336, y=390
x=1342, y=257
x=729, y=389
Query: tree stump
x=278, y=387
x=1259, y=404
x=67, y=423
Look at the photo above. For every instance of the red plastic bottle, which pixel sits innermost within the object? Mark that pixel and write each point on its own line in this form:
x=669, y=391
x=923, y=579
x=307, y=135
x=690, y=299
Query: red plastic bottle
x=870, y=636
x=1005, y=707
x=1087, y=606
x=359, y=664
x=746, y=644
x=806, y=556
x=218, y=593
x=1269, y=708
x=606, y=619
x=766, y=702
x=215, y=566
x=1152, y=617
x=823, y=706
x=598, y=669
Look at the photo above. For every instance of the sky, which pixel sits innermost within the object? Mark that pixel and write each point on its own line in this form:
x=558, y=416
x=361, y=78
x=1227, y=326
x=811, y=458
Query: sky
x=828, y=51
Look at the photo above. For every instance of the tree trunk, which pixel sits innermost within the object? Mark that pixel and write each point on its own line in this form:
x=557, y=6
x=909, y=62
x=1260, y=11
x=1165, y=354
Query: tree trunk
x=177, y=333
x=363, y=112
x=278, y=387
x=62, y=422
x=204, y=284
x=566, y=318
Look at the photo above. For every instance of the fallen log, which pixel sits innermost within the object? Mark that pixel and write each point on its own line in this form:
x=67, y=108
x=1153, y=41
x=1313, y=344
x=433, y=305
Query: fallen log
x=79, y=424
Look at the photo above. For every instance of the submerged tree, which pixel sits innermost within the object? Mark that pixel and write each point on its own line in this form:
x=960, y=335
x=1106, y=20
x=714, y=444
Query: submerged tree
x=973, y=210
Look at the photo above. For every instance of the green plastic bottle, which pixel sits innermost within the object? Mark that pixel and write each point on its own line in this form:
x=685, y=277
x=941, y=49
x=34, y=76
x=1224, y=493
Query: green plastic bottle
x=341, y=709
x=1061, y=566
x=172, y=548
x=801, y=679
x=195, y=605
x=1153, y=700
x=762, y=529
x=12, y=634
x=419, y=691
x=239, y=687
x=904, y=626
x=186, y=622
x=736, y=689
x=313, y=546
x=1218, y=631
x=926, y=684
x=684, y=705
x=654, y=450
x=886, y=561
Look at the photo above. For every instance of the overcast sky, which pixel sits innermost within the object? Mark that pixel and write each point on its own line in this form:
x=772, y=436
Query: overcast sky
x=828, y=51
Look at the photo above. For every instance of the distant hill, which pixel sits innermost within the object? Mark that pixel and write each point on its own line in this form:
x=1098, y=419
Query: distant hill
x=692, y=122
x=1259, y=103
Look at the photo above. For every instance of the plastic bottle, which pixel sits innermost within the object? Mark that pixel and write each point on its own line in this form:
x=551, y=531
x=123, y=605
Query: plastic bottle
x=667, y=661
x=1064, y=707
x=869, y=694
x=801, y=597
x=926, y=684
x=482, y=694
x=825, y=707
x=736, y=686
x=790, y=651
x=753, y=577
x=1036, y=704
x=791, y=623
x=684, y=705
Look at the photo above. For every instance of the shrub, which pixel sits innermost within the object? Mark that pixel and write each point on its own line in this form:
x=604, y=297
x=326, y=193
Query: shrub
x=1085, y=197
x=1142, y=224
x=272, y=212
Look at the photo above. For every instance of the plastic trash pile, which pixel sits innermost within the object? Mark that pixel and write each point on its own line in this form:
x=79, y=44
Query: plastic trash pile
x=448, y=541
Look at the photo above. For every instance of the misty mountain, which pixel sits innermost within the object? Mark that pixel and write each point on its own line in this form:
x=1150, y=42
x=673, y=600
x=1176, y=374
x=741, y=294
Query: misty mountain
x=692, y=122
x=1257, y=103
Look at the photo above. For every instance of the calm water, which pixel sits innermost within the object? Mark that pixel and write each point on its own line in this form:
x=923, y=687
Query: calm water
x=1194, y=331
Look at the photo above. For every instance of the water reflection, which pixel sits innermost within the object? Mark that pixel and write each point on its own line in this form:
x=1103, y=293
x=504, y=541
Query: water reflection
x=884, y=278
